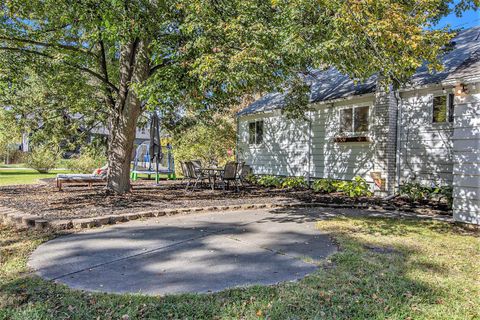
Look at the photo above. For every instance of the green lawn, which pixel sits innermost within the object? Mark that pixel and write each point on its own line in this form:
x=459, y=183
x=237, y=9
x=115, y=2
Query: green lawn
x=386, y=269
x=11, y=175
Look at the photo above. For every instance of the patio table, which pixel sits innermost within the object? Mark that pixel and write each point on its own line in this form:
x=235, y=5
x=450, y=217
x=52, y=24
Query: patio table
x=212, y=174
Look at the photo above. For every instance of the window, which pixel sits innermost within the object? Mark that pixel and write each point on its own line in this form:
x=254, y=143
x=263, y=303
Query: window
x=255, y=132
x=443, y=109
x=354, y=121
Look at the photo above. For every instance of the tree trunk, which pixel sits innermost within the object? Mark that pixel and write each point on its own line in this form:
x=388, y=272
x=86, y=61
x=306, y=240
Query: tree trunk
x=134, y=69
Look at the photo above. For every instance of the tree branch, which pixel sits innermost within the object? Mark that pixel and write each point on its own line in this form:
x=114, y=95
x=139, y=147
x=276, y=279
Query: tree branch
x=158, y=66
x=103, y=63
x=72, y=65
x=44, y=44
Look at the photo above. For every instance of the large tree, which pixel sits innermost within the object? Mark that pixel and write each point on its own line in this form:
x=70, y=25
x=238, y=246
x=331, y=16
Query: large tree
x=205, y=54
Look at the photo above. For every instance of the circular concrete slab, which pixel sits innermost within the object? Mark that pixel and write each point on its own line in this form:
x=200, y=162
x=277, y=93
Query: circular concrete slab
x=203, y=252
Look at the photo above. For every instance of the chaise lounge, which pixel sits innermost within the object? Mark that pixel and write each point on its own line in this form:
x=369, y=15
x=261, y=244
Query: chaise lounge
x=98, y=176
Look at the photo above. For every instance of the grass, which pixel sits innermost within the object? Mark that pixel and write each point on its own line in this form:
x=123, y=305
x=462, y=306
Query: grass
x=386, y=269
x=16, y=165
x=12, y=175
x=18, y=174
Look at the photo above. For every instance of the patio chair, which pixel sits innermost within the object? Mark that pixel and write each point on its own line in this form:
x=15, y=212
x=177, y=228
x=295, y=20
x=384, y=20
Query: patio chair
x=239, y=176
x=197, y=165
x=230, y=175
x=196, y=174
x=186, y=174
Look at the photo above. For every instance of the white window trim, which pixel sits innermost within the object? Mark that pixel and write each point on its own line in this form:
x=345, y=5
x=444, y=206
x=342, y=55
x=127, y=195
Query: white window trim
x=351, y=133
x=432, y=97
x=255, y=144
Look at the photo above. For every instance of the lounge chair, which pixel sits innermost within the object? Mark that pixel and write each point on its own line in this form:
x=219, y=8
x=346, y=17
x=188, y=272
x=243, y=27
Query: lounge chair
x=98, y=176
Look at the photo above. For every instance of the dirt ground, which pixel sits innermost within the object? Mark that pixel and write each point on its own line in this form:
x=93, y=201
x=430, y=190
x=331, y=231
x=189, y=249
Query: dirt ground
x=81, y=202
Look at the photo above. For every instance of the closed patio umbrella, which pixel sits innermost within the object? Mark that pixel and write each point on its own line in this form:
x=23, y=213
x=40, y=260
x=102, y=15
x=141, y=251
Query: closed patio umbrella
x=155, y=144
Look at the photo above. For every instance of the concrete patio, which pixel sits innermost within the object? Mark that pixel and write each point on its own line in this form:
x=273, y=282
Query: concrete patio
x=204, y=252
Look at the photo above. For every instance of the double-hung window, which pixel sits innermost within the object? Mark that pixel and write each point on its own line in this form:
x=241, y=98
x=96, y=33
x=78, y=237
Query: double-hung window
x=442, y=109
x=354, y=121
x=255, y=132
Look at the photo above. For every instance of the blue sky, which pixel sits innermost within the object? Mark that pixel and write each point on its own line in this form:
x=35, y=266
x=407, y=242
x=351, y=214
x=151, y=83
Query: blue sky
x=468, y=20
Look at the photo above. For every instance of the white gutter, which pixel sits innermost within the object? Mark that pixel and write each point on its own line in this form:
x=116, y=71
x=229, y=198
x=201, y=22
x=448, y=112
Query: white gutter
x=399, y=145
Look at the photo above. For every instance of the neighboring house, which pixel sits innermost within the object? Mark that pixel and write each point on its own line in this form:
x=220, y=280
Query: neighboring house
x=428, y=131
x=142, y=134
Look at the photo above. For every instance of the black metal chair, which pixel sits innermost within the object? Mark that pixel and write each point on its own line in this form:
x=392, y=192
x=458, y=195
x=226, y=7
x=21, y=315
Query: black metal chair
x=230, y=175
x=240, y=175
x=196, y=173
x=186, y=174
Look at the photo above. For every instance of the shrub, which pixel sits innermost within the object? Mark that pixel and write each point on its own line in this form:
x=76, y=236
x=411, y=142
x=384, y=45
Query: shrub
x=325, y=185
x=415, y=191
x=270, y=181
x=251, y=178
x=294, y=182
x=208, y=142
x=43, y=158
x=358, y=187
x=88, y=160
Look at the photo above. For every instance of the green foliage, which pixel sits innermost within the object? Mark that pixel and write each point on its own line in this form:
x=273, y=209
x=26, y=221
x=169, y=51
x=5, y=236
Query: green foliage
x=294, y=183
x=251, y=178
x=208, y=142
x=325, y=185
x=356, y=188
x=89, y=159
x=297, y=100
x=10, y=133
x=416, y=191
x=43, y=158
x=445, y=193
x=269, y=181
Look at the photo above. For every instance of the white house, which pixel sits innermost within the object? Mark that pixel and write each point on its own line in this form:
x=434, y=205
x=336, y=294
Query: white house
x=428, y=131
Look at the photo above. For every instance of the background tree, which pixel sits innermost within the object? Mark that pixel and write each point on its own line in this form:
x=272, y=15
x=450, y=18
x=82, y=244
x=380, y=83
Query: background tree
x=52, y=104
x=10, y=135
x=205, y=54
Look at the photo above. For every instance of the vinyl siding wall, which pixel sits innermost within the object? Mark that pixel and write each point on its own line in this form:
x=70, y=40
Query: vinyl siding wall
x=284, y=150
x=426, y=148
x=336, y=160
x=466, y=157
x=291, y=147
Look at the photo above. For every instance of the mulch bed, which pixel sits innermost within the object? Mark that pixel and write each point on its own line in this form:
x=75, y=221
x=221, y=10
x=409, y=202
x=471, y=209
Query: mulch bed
x=82, y=202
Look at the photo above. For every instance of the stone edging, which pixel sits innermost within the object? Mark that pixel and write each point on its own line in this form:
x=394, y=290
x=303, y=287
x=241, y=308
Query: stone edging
x=22, y=220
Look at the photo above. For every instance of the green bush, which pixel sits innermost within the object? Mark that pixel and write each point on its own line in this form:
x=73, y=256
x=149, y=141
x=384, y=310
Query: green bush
x=251, y=178
x=270, y=181
x=208, y=142
x=43, y=158
x=88, y=160
x=444, y=192
x=294, y=182
x=356, y=188
x=325, y=185
x=415, y=191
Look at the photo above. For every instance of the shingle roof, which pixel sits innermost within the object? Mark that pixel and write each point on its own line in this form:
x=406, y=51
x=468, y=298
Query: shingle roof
x=330, y=84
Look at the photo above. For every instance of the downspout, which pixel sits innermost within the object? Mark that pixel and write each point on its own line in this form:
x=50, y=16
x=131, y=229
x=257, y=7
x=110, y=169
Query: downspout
x=399, y=145
x=237, y=120
x=309, y=149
